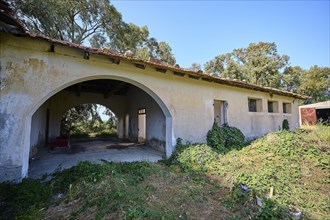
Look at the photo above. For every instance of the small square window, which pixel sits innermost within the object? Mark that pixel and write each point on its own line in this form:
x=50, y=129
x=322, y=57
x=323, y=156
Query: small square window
x=142, y=111
x=272, y=107
x=287, y=108
x=255, y=105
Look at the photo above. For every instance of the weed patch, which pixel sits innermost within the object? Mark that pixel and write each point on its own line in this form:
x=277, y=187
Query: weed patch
x=294, y=164
x=197, y=182
x=23, y=200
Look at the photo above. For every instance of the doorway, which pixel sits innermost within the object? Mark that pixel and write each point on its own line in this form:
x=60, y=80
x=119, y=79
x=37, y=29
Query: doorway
x=220, y=112
x=142, y=122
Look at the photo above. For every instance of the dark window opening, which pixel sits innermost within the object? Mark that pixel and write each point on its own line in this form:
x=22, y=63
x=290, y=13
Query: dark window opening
x=252, y=105
x=270, y=107
x=323, y=116
x=286, y=108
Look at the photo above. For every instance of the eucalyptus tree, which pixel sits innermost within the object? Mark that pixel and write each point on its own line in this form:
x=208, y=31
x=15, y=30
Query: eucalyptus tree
x=195, y=67
x=97, y=21
x=69, y=20
x=259, y=63
x=315, y=83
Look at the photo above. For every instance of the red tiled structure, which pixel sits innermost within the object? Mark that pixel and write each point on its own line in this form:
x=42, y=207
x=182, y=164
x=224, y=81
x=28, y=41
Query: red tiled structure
x=311, y=114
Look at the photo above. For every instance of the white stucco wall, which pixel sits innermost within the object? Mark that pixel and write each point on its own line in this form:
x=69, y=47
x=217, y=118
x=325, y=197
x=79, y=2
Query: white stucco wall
x=155, y=121
x=30, y=75
x=38, y=129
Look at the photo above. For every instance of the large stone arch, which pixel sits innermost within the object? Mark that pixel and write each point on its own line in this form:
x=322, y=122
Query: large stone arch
x=123, y=79
x=46, y=121
x=93, y=77
x=32, y=77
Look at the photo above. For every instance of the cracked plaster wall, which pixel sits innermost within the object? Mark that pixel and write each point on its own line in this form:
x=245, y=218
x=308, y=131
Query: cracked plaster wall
x=30, y=75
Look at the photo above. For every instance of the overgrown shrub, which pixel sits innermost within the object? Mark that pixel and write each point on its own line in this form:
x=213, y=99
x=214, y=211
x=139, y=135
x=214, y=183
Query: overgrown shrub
x=179, y=147
x=106, y=133
x=293, y=164
x=23, y=200
x=225, y=138
x=196, y=158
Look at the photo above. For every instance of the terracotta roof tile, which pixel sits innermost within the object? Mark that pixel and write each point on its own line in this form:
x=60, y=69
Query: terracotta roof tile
x=157, y=64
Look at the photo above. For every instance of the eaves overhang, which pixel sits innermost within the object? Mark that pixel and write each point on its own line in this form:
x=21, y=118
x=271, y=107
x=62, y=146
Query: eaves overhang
x=163, y=68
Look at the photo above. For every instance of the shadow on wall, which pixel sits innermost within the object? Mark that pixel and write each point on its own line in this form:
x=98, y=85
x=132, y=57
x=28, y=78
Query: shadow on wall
x=36, y=147
x=157, y=144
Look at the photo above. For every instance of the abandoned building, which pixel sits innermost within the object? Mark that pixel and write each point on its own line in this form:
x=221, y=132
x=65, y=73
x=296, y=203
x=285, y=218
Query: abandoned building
x=41, y=78
x=313, y=113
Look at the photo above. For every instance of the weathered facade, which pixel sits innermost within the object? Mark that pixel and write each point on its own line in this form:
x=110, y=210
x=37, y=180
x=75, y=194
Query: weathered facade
x=37, y=74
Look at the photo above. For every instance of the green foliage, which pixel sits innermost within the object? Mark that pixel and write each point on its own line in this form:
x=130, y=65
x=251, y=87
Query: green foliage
x=84, y=121
x=291, y=162
x=315, y=83
x=225, y=138
x=96, y=20
x=23, y=200
x=196, y=158
x=270, y=210
x=259, y=63
x=173, y=159
x=292, y=78
x=106, y=133
x=69, y=20
x=107, y=191
x=195, y=67
x=295, y=164
x=285, y=125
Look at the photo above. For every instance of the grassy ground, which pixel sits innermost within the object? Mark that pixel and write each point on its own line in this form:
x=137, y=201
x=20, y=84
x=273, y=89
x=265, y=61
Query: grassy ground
x=117, y=191
x=196, y=183
x=294, y=164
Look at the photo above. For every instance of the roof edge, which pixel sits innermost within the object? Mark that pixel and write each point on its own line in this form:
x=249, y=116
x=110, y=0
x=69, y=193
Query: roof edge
x=175, y=69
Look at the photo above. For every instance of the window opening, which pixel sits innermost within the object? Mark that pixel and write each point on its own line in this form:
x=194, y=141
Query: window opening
x=272, y=107
x=255, y=105
x=142, y=111
x=287, y=108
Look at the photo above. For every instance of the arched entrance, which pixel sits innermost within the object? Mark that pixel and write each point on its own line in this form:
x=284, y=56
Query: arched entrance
x=124, y=98
x=35, y=74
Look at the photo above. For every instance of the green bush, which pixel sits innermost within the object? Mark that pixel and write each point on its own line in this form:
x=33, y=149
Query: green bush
x=107, y=133
x=225, y=138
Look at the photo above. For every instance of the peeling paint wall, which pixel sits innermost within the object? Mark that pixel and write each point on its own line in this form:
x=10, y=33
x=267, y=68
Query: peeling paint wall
x=31, y=75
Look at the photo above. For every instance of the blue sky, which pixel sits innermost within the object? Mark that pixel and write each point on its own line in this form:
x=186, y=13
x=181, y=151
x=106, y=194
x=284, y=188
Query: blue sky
x=197, y=31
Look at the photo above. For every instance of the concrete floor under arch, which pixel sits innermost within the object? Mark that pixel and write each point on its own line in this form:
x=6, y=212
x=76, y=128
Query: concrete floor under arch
x=49, y=161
